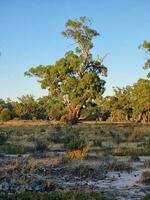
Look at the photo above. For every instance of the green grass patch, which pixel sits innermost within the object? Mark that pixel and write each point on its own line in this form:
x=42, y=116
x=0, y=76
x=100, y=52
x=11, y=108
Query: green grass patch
x=15, y=149
x=126, y=151
x=72, y=195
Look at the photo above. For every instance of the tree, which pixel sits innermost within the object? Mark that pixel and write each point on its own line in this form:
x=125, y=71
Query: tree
x=131, y=103
x=122, y=106
x=5, y=114
x=41, y=111
x=2, y=105
x=117, y=107
x=26, y=108
x=146, y=47
x=53, y=108
x=141, y=100
x=75, y=79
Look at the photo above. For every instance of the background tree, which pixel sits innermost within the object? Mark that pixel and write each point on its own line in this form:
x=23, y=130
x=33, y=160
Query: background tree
x=117, y=107
x=26, y=107
x=2, y=105
x=52, y=107
x=122, y=109
x=41, y=110
x=131, y=103
x=146, y=47
x=5, y=115
x=75, y=79
x=141, y=100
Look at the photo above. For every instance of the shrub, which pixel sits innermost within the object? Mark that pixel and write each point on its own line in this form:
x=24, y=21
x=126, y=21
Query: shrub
x=97, y=142
x=75, y=195
x=124, y=151
x=76, y=143
x=76, y=154
x=5, y=115
x=55, y=137
x=15, y=149
x=146, y=198
x=135, y=158
x=120, y=166
x=3, y=137
x=41, y=145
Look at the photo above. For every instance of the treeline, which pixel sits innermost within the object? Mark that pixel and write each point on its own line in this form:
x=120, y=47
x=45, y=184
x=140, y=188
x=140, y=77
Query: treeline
x=129, y=104
x=76, y=84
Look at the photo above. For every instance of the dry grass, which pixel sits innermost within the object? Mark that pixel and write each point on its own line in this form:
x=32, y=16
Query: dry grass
x=145, y=179
x=45, y=162
x=24, y=123
x=10, y=167
x=45, y=122
x=28, y=123
x=100, y=137
x=76, y=154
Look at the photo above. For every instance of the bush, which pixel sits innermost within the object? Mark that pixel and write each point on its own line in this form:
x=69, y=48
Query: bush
x=3, y=138
x=124, y=151
x=76, y=154
x=120, y=166
x=97, y=142
x=41, y=145
x=5, y=115
x=15, y=149
x=75, y=143
x=135, y=158
x=146, y=198
x=53, y=196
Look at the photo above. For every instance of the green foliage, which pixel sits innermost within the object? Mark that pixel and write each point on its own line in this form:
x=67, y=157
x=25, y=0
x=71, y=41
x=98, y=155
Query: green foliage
x=41, y=145
x=141, y=100
x=146, y=47
x=131, y=103
x=3, y=137
x=97, y=142
x=146, y=198
x=119, y=105
x=26, y=108
x=74, y=79
x=71, y=195
x=123, y=151
x=133, y=138
x=15, y=149
x=76, y=86
x=5, y=115
x=2, y=105
x=74, y=141
x=54, y=107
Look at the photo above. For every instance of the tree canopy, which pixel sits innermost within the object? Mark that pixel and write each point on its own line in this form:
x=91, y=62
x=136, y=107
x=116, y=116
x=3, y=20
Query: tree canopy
x=146, y=47
x=76, y=83
x=74, y=79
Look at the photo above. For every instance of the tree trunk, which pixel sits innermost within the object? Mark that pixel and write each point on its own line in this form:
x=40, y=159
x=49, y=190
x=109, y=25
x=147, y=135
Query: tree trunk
x=127, y=117
x=140, y=117
x=73, y=113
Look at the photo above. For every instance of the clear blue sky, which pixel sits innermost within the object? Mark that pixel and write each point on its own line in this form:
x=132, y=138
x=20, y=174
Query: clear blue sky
x=30, y=34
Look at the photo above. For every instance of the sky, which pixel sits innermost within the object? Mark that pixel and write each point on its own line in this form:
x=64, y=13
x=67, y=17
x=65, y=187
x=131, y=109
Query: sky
x=30, y=35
